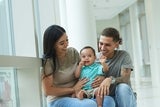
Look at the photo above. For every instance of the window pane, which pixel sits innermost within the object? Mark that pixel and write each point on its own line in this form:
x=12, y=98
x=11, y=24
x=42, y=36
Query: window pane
x=5, y=35
x=7, y=88
x=24, y=30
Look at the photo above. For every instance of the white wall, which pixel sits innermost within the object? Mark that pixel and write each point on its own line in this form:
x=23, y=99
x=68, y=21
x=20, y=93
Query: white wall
x=102, y=24
x=153, y=25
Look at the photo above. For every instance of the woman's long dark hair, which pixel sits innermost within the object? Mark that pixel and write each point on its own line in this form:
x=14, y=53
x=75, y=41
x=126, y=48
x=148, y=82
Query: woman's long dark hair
x=51, y=36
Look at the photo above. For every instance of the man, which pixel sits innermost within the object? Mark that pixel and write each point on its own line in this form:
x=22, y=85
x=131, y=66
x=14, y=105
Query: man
x=117, y=81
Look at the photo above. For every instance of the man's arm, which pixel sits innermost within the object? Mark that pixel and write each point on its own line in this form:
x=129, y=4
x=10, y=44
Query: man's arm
x=125, y=76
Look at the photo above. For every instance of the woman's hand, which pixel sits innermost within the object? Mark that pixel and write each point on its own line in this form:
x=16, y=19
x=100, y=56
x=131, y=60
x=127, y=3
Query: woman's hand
x=104, y=87
x=78, y=86
x=98, y=80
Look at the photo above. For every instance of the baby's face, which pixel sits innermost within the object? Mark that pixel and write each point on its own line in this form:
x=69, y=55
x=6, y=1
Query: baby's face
x=87, y=56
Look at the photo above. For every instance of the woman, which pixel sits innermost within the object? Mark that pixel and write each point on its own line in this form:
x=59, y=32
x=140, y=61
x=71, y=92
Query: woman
x=59, y=65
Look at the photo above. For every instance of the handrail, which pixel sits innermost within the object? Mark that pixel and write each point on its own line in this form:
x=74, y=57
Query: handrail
x=19, y=61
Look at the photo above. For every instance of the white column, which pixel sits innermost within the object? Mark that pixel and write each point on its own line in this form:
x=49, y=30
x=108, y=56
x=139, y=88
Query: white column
x=136, y=40
x=81, y=24
x=153, y=24
x=63, y=14
x=47, y=13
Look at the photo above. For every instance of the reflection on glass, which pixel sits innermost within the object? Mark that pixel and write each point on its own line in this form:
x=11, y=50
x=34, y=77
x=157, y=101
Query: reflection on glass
x=7, y=88
x=6, y=45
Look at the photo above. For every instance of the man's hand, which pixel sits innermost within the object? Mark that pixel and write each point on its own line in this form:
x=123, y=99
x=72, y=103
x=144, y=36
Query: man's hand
x=104, y=87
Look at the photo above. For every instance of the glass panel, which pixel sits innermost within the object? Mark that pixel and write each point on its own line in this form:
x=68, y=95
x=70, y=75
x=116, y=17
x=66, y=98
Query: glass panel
x=7, y=88
x=23, y=82
x=5, y=34
x=38, y=30
x=24, y=28
x=17, y=28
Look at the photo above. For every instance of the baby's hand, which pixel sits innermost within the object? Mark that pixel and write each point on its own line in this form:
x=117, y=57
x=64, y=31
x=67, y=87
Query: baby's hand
x=102, y=59
x=81, y=63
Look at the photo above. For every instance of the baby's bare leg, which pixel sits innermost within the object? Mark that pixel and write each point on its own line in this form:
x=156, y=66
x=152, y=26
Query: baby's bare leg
x=73, y=95
x=81, y=94
x=99, y=99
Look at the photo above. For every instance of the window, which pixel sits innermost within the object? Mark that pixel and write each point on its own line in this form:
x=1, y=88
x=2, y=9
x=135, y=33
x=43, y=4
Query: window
x=144, y=39
x=8, y=95
x=6, y=42
x=19, y=48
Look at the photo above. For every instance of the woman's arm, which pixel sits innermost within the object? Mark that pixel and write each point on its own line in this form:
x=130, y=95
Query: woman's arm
x=48, y=82
x=50, y=89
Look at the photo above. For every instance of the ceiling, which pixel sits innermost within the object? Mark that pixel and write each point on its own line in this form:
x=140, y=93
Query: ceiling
x=107, y=9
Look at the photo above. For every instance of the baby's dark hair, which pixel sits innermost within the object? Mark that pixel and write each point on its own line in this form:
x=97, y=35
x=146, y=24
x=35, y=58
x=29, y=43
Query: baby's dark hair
x=112, y=32
x=88, y=47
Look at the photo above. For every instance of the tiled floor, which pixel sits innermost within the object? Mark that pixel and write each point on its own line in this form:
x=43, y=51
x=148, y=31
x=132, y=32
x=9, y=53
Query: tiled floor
x=147, y=95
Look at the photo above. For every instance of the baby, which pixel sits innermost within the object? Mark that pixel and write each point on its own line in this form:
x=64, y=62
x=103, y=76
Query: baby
x=90, y=69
